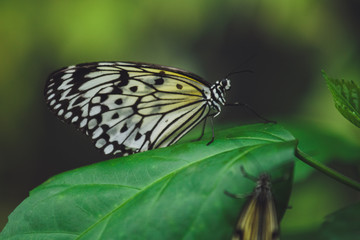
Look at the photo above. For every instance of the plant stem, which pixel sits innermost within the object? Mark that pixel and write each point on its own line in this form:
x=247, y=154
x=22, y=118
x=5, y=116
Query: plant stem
x=326, y=170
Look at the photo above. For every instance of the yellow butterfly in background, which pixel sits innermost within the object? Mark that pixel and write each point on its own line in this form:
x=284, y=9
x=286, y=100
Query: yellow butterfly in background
x=258, y=219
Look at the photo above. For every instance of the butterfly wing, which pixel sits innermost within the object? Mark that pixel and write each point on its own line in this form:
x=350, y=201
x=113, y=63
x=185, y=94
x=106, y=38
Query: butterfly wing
x=258, y=220
x=128, y=107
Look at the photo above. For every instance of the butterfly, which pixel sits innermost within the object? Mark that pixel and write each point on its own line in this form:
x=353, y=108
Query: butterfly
x=129, y=107
x=258, y=219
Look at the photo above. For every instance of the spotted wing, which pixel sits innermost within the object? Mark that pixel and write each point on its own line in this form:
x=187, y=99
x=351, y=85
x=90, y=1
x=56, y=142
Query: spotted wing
x=128, y=107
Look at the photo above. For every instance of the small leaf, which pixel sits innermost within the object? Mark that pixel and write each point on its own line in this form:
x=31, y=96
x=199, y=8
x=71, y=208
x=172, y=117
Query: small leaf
x=170, y=193
x=346, y=96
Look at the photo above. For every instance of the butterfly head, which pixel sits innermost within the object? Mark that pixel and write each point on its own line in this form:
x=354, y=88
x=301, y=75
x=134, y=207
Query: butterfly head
x=264, y=182
x=225, y=84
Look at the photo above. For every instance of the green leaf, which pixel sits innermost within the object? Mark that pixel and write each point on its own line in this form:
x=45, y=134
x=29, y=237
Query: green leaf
x=346, y=96
x=343, y=224
x=170, y=193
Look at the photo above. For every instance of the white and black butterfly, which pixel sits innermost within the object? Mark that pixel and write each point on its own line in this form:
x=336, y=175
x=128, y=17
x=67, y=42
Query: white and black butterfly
x=128, y=107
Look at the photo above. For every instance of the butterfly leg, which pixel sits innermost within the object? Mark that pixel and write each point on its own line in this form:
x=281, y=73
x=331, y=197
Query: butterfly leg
x=246, y=175
x=234, y=195
x=251, y=109
x=213, y=134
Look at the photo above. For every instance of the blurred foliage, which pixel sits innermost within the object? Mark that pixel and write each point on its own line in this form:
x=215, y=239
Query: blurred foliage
x=342, y=224
x=286, y=43
x=312, y=200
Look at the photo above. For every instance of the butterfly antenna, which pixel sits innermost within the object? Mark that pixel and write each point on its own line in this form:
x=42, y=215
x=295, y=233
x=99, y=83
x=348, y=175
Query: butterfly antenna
x=236, y=72
x=241, y=65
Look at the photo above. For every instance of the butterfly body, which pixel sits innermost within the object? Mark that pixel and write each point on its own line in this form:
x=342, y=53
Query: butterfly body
x=128, y=107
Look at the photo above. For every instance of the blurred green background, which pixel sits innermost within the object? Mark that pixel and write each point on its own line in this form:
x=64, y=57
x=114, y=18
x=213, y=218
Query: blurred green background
x=285, y=43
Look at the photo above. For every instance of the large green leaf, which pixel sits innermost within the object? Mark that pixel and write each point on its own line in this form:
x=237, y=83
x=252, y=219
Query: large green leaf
x=346, y=96
x=171, y=193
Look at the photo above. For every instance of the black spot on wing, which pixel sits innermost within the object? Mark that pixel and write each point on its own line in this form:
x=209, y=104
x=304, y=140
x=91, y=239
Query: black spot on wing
x=162, y=73
x=133, y=88
x=159, y=81
x=105, y=128
x=138, y=136
x=118, y=101
x=103, y=97
x=124, y=128
x=115, y=116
